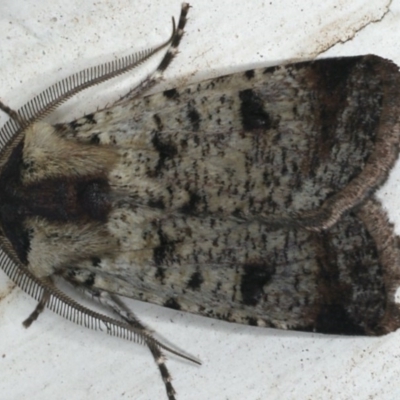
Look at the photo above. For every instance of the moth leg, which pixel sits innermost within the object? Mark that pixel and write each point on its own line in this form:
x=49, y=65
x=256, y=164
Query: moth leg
x=11, y=113
x=154, y=78
x=38, y=309
x=118, y=307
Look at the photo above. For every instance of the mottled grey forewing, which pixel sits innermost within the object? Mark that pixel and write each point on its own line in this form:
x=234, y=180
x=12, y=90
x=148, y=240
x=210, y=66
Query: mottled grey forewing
x=301, y=143
x=340, y=281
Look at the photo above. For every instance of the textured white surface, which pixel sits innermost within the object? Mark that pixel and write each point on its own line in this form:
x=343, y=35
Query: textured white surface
x=43, y=41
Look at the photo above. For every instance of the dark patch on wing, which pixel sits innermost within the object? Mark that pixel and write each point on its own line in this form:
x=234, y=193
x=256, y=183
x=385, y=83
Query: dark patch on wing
x=157, y=120
x=252, y=321
x=171, y=94
x=249, y=74
x=337, y=84
x=95, y=139
x=89, y=281
x=156, y=203
x=172, y=303
x=194, y=118
x=160, y=274
x=334, y=319
x=166, y=150
x=351, y=298
x=195, y=281
x=271, y=70
x=190, y=207
x=332, y=74
x=90, y=119
x=75, y=124
x=252, y=111
x=163, y=250
x=96, y=262
x=255, y=276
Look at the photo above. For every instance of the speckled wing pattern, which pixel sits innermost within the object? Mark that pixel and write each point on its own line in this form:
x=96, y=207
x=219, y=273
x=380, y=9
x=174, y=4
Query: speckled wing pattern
x=340, y=281
x=303, y=142
x=247, y=197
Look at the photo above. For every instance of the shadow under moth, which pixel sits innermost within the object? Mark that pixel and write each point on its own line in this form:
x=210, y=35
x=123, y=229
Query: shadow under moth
x=247, y=198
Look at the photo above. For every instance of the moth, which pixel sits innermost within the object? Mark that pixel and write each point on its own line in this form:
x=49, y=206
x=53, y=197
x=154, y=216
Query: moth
x=247, y=198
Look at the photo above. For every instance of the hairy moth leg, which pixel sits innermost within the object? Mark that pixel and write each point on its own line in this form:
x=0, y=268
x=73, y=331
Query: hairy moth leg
x=11, y=113
x=38, y=309
x=117, y=306
x=155, y=77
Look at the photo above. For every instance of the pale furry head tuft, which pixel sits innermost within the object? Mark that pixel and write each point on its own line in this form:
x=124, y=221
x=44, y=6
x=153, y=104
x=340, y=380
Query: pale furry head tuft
x=47, y=155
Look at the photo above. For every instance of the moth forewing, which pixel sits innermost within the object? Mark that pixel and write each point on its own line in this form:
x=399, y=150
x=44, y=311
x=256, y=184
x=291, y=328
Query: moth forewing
x=340, y=281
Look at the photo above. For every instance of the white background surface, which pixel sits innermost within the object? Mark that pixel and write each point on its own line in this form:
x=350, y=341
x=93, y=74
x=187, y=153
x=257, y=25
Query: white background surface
x=55, y=359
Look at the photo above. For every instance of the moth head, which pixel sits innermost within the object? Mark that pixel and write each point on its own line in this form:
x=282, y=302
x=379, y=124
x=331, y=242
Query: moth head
x=47, y=154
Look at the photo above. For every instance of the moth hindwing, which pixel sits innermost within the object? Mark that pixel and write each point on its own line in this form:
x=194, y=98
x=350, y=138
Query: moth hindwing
x=247, y=198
